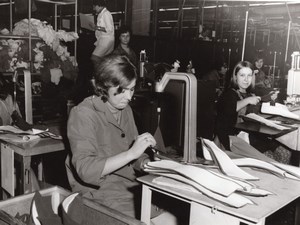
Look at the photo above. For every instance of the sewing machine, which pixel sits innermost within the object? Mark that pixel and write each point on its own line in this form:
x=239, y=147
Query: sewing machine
x=190, y=115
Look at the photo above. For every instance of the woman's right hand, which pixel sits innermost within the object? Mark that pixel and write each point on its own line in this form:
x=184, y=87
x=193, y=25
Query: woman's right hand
x=253, y=100
x=142, y=142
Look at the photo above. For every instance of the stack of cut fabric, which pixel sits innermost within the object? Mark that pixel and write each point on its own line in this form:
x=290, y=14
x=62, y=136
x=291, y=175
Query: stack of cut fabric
x=208, y=182
x=231, y=167
x=228, y=184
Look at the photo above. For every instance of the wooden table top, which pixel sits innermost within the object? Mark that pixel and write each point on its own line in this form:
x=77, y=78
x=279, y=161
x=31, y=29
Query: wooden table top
x=36, y=147
x=285, y=191
x=40, y=145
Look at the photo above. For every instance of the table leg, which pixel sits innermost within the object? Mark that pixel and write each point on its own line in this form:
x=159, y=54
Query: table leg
x=25, y=174
x=146, y=205
x=297, y=212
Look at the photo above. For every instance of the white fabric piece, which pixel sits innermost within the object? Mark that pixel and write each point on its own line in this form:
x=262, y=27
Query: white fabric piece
x=241, y=148
x=67, y=201
x=257, y=192
x=206, y=153
x=233, y=200
x=35, y=214
x=226, y=164
x=163, y=180
x=245, y=185
x=291, y=170
x=278, y=109
x=244, y=135
x=249, y=162
x=201, y=176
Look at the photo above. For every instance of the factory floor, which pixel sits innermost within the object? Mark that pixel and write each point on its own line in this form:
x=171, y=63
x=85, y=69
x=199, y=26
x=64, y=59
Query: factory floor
x=54, y=171
x=54, y=175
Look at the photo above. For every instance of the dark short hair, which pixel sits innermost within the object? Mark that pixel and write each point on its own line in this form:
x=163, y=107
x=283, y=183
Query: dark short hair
x=113, y=71
x=236, y=69
x=258, y=56
x=219, y=65
x=99, y=2
x=124, y=29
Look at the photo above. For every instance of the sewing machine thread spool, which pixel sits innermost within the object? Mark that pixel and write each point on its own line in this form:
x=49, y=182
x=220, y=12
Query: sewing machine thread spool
x=142, y=62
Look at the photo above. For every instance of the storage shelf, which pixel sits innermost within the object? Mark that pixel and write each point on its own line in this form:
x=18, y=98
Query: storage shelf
x=11, y=73
x=6, y=3
x=11, y=36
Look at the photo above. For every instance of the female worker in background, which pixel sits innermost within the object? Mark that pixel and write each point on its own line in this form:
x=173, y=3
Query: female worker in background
x=218, y=75
x=104, y=32
x=238, y=100
x=263, y=83
x=234, y=101
x=104, y=139
x=123, y=47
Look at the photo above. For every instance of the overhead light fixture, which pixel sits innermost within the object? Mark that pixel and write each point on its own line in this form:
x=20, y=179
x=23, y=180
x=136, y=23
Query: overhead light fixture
x=176, y=9
x=262, y=3
x=239, y=4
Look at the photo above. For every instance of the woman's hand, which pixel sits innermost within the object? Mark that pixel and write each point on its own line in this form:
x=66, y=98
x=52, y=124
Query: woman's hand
x=141, y=143
x=115, y=162
x=253, y=100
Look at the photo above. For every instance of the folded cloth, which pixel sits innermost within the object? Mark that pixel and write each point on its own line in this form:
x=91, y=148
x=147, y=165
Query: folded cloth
x=72, y=210
x=42, y=212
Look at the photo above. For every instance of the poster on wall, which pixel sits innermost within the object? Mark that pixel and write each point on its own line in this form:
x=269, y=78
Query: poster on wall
x=141, y=17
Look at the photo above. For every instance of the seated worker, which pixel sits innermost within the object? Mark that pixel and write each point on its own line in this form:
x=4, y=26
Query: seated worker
x=104, y=140
x=234, y=101
x=123, y=48
x=237, y=100
x=218, y=74
x=263, y=83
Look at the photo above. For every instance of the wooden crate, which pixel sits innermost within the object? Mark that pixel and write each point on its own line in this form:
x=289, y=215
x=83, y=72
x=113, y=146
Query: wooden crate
x=21, y=204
